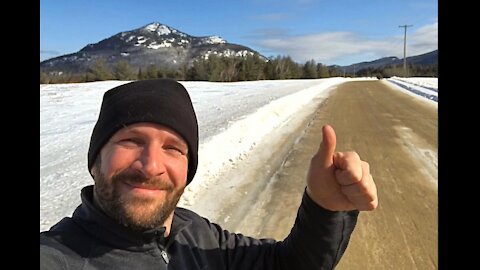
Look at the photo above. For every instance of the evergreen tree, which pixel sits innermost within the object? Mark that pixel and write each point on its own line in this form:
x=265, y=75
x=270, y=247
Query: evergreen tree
x=251, y=68
x=99, y=71
x=229, y=69
x=269, y=70
x=294, y=69
x=322, y=71
x=44, y=78
x=334, y=72
x=309, y=70
x=198, y=71
x=214, y=68
x=142, y=75
x=123, y=71
x=152, y=72
x=281, y=66
x=180, y=73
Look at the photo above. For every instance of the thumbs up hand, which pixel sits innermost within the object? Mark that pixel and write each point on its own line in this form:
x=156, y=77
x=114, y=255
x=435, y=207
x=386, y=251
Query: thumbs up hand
x=340, y=181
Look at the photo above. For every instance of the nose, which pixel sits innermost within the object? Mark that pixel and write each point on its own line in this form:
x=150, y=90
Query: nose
x=152, y=160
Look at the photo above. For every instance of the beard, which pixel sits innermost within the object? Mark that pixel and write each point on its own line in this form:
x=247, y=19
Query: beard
x=136, y=213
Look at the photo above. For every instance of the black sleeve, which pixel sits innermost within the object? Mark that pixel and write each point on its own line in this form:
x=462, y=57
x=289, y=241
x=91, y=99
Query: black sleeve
x=50, y=258
x=319, y=237
x=317, y=241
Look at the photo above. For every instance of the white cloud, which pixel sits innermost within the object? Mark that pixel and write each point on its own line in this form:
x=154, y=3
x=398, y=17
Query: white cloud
x=325, y=48
x=425, y=39
x=345, y=48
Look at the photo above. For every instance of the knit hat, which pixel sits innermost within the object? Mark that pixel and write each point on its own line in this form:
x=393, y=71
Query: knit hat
x=160, y=101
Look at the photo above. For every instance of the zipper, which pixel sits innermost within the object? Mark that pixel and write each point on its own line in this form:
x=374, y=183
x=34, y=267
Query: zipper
x=163, y=252
x=164, y=256
x=180, y=225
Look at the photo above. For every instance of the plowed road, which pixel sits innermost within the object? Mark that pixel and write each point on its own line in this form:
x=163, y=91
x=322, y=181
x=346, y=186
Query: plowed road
x=397, y=135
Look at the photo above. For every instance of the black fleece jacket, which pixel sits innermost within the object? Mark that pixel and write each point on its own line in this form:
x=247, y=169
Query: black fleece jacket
x=91, y=240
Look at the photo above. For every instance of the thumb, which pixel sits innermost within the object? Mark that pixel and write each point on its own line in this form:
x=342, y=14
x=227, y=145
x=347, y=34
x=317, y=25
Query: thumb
x=328, y=145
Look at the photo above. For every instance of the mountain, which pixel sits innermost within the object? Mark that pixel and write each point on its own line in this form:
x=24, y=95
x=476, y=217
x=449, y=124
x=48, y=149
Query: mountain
x=430, y=58
x=153, y=44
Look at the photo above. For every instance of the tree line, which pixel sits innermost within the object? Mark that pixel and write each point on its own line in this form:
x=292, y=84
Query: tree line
x=416, y=70
x=221, y=69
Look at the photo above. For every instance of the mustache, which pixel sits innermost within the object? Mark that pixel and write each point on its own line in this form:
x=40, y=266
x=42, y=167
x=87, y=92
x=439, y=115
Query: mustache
x=140, y=180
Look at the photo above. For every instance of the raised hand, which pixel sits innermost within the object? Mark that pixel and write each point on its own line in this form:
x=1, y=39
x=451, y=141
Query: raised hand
x=340, y=181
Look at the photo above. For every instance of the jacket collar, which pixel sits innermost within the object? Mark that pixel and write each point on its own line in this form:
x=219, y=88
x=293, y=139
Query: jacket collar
x=102, y=227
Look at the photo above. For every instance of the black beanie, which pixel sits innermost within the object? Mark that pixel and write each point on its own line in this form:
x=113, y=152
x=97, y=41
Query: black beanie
x=160, y=101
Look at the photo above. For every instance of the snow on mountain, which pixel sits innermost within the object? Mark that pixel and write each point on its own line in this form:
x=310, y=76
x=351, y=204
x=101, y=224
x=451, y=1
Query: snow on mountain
x=153, y=44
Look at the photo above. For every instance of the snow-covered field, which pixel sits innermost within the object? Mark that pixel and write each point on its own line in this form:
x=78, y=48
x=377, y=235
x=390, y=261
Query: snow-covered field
x=233, y=118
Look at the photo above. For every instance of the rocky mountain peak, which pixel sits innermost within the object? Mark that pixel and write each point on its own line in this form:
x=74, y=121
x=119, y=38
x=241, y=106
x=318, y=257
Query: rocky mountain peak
x=152, y=44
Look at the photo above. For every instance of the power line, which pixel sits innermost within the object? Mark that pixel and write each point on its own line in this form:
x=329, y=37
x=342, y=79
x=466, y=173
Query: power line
x=405, y=49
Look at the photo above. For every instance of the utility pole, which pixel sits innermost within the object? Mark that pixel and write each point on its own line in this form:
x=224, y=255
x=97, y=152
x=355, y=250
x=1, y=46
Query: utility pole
x=405, y=49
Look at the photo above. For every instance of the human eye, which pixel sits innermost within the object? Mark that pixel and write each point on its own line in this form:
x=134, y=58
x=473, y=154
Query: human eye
x=130, y=142
x=174, y=149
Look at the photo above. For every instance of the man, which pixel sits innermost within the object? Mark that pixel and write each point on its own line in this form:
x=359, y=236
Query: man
x=142, y=154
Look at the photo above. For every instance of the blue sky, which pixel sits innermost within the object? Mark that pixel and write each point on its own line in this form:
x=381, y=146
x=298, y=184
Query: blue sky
x=327, y=31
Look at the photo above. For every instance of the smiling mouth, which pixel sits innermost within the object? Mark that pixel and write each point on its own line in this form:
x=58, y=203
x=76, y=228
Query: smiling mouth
x=144, y=186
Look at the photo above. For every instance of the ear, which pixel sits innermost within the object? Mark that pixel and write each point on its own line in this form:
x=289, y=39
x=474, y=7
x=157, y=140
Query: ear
x=93, y=171
x=96, y=166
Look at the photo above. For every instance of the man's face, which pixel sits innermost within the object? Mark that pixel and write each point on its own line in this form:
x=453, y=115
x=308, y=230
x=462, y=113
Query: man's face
x=140, y=175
